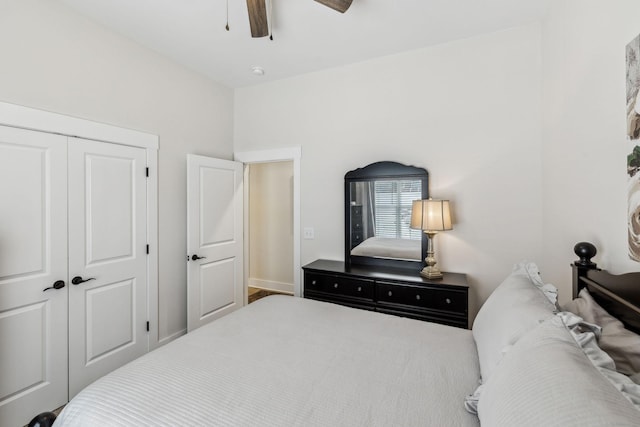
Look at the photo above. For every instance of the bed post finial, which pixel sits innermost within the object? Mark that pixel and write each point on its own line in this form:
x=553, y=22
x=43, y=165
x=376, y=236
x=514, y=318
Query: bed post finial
x=585, y=251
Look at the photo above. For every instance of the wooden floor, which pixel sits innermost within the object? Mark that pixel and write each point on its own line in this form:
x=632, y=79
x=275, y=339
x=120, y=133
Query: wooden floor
x=255, y=294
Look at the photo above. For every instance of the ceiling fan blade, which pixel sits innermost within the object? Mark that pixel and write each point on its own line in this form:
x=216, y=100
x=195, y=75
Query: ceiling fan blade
x=339, y=5
x=258, y=18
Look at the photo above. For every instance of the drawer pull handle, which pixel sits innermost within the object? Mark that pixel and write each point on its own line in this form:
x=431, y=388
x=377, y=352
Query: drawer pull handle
x=313, y=282
x=390, y=293
x=335, y=285
x=359, y=288
x=418, y=297
x=448, y=301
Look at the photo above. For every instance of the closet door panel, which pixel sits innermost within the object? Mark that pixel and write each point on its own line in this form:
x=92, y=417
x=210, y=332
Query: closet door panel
x=107, y=252
x=113, y=332
x=110, y=209
x=33, y=256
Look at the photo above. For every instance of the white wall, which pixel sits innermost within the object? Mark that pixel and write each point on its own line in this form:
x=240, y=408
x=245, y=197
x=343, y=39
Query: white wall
x=271, y=225
x=584, y=149
x=468, y=111
x=56, y=60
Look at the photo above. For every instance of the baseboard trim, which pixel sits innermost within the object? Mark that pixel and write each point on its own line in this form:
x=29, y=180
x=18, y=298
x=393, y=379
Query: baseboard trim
x=270, y=285
x=171, y=337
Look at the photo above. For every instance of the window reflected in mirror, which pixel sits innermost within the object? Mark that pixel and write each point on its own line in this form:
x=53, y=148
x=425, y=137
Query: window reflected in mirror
x=380, y=213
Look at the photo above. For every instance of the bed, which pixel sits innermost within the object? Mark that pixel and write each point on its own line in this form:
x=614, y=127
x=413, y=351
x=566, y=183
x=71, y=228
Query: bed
x=389, y=248
x=285, y=361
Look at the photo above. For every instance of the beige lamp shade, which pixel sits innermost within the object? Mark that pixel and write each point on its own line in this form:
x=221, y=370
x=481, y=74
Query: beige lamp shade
x=431, y=215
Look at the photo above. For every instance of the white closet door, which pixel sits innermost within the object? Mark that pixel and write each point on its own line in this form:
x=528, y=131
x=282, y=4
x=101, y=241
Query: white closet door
x=33, y=256
x=107, y=253
x=214, y=239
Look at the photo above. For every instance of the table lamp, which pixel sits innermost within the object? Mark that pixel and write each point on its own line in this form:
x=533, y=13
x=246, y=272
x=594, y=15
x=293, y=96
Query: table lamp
x=431, y=216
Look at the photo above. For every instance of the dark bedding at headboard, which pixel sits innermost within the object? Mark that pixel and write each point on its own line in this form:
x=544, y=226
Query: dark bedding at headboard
x=618, y=294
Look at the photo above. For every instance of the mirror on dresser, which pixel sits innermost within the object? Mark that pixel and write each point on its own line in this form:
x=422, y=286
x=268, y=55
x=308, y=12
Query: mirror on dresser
x=378, y=199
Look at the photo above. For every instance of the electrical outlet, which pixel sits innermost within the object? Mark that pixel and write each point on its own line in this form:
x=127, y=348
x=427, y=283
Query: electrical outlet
x=309, y=233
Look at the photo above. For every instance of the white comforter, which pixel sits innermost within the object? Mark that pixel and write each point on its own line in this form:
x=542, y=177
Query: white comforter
x=285, y=361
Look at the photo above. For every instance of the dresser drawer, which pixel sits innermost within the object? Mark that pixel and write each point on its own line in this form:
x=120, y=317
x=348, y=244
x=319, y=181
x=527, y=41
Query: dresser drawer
x=356, y=238
x=339, y=285
x=427, y=316
x=428, y=298
x=389, y=290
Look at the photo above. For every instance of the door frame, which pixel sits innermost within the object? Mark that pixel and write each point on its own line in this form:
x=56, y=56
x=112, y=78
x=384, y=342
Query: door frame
x=268, y=156
x=44, y=121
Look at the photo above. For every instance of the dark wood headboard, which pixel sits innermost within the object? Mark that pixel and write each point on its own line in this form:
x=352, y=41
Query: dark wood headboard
x=618, y=294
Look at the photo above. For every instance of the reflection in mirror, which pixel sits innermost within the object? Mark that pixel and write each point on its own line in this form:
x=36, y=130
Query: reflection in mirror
x=378, y=202
x=381, y=218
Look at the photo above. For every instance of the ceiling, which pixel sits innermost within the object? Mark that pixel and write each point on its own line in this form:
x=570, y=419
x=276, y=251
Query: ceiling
x=307, y=36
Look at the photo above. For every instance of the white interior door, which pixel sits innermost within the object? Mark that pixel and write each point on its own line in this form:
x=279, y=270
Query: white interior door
x=107, y=256
x=214, y=239
x=33, y=256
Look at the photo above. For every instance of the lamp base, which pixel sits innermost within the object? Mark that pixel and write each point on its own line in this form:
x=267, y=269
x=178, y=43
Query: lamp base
x=431, y=272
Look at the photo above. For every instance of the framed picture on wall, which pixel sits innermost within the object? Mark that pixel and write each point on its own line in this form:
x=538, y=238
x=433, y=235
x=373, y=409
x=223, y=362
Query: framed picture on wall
x=633, y=214
x=633, y=158
x=633, y=87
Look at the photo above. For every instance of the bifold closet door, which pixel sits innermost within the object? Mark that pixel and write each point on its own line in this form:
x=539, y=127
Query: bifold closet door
x=107, y=257
x=33, y=256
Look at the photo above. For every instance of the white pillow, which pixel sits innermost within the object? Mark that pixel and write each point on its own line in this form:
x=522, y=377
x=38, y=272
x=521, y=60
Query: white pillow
x=547, y=380
x=586, y=335
x=517, y=306
x=530, y=270
x=621, y=344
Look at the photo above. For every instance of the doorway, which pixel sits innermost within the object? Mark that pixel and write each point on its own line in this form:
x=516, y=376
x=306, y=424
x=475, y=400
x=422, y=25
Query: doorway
x=272, y=220
x=270, y=188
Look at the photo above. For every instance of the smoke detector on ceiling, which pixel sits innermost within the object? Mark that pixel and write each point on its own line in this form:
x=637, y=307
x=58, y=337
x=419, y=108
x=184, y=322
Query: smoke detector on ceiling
x=257, y=71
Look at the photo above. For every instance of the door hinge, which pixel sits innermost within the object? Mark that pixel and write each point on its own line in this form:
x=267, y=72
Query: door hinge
x=147, y=172
x=147, y=249
x=147, y=326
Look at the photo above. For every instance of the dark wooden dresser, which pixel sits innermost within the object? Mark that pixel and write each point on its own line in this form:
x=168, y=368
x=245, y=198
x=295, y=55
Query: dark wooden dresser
x=356, y=226
x=390, y=290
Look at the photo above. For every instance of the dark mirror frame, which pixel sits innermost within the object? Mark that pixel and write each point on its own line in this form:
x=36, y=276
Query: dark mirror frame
x=376, y=172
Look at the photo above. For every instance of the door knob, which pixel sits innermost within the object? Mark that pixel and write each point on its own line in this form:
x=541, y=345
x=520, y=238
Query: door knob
x=196, y=257
x=78, y=279
x=59, y=284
